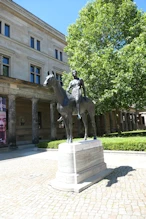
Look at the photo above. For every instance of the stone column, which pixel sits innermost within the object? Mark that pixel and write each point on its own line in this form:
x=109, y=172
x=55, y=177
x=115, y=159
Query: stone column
x=52, y=119
x=121, y=121
x=111, y=121
x=104, y=123
x=133, y=121
x=126, y=122
x=136, y=122
x=130, y=122
x=11, y=121
x=35, y=127
x=98, y=125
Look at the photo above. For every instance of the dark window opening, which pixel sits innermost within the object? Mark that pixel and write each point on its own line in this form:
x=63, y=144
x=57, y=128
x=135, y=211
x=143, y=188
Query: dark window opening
x=6, y=66
x=61, y=58
x=37, y=79
x=32, y=42
x=32, y=68
x=56, y=53
x=59, y=78
x=38, y=45
x=32, y=78
x=7, y=30
x=35, y=74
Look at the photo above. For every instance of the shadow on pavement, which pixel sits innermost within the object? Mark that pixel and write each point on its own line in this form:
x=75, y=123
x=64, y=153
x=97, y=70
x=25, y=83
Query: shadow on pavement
x=20, y=152
x=118, y=172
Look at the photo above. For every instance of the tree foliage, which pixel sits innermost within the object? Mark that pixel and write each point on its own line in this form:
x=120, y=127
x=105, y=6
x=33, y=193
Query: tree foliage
x=107, y=46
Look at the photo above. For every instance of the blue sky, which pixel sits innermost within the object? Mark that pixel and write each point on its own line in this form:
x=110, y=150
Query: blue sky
x=60, y=13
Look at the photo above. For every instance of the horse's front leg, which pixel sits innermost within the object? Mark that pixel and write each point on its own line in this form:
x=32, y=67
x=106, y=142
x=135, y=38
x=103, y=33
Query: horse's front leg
x=84, y=119
x=92, y=117
x=70, y=128
x=66, y=123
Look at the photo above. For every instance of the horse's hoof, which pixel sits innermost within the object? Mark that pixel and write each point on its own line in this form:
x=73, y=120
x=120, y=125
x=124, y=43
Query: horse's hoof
x=60, y=119
x=69, y=141
x=79, y=117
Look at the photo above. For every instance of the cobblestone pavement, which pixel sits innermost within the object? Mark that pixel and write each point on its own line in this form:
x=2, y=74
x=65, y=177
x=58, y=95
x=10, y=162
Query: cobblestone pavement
x=25, y=191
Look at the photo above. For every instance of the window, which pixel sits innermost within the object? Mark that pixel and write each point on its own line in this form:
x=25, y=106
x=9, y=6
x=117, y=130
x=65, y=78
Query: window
x=61, y=59
x=4, y=29
x=35, y=44
x=59, y=78
x=7, y=30
x=31, y=42
x=38, y=45
x=35, y=73
x=32, y=73
x=56, y=53
x=4, y=65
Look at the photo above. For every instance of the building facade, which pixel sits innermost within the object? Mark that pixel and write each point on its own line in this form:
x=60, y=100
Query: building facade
x=29, y=48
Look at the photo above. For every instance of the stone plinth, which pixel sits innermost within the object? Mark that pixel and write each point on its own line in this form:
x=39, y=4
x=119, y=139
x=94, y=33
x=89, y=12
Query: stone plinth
x=80, y=164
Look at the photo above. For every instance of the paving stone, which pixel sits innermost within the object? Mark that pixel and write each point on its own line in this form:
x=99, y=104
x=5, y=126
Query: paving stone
x=25, y=191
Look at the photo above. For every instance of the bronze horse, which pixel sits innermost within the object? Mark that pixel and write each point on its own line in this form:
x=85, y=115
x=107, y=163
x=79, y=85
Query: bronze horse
x=66, y=107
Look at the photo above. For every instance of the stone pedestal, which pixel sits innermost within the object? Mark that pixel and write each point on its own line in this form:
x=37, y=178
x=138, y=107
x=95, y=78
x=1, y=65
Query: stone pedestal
x=80, y=164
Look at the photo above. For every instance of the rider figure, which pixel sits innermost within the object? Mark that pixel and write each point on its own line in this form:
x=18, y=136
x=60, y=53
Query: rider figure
x=76, y=85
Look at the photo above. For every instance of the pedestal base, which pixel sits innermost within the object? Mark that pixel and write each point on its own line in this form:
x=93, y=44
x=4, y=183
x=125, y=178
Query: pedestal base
x=80, y=186
x=80, y=164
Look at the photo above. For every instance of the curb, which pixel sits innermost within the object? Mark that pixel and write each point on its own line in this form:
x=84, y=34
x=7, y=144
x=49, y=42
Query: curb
x=126, y=152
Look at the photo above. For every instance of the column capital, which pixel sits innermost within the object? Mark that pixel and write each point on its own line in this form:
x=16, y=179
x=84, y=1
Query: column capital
x=12, y=96
x=34, y=99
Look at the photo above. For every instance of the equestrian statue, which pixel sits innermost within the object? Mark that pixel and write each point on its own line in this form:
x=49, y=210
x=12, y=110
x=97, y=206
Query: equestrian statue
x=70, y=104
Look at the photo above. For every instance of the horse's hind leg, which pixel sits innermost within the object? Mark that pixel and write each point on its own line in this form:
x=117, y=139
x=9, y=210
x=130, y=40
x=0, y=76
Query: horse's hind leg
x=65, y=120
x=84, y=119
x=92, y=117
x=70, y=128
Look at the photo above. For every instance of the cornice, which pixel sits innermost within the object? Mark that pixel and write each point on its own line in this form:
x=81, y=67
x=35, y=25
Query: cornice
x=10, y=80
x=14, y=8
x=6, y=50
x=58, y=69
x=36, y=61
x=21, y=88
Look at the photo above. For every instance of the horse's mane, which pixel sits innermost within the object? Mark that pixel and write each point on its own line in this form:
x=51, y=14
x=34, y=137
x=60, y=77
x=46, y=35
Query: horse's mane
x=64, y=92
x=66, y=96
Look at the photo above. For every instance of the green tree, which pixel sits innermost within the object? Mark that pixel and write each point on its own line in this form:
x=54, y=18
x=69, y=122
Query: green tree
x=103, y=46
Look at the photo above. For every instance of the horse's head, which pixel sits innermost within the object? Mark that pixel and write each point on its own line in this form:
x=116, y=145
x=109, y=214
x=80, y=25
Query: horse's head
x=49, y=80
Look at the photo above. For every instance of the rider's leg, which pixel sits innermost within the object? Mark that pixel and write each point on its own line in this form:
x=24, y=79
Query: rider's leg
x=60, y=119
x=78, y=100
x=78, y=109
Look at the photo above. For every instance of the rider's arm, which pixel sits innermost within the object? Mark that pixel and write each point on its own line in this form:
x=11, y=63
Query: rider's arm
x=69, y=87
x=84, y=90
